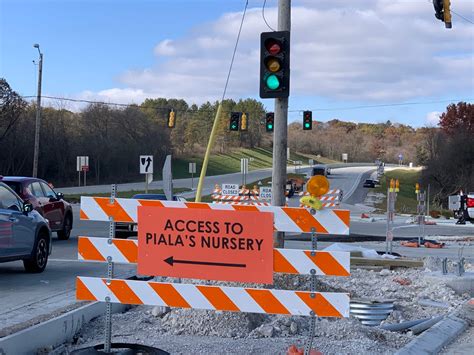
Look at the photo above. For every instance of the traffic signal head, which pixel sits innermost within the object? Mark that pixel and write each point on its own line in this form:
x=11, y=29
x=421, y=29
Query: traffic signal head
x=270, y=121
x=244, y=121
x=274, y=64
x=234, y=121
x=171, y=118
x=307, y=120
x=443, y=11
x=417, y=188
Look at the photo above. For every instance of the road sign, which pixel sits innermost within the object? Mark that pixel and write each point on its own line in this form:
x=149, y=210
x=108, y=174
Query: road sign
x=85, y=168
x=265, y=193
x=311, y=162
x=192, y=168
x=344, y=157
x=82, y=161
x=146, y=164
x=230, y=189
x=206, y=244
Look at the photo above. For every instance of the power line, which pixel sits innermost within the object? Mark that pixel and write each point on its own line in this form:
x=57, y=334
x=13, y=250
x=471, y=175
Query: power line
x=263, y=15
x=235, y=50
x=461, y=16
x=343, y=108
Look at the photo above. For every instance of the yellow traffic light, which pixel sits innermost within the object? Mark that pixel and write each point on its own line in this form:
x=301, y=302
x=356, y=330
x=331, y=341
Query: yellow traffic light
x=318, y=185
x=397, y=186
x=447, y=13
x=171, y=119
x=417, y=188
x=243, y=122
x=392, y=185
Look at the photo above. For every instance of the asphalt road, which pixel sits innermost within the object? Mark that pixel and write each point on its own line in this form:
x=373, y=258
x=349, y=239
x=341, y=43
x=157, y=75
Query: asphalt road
x=26, y=296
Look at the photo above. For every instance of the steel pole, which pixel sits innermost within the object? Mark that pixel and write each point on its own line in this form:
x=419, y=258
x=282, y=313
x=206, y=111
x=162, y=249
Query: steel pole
x=280, y=135
x=38, y=118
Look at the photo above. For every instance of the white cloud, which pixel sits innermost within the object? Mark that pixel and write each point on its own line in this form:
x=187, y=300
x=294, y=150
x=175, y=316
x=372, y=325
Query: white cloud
x=432, y=118
x=369, y=50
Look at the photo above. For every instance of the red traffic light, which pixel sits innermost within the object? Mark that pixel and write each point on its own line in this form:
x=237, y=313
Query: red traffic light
x=273, y=46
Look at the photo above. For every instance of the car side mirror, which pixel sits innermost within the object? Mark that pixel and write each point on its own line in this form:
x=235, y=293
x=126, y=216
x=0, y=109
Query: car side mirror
x=27, y=207
x=60, y=195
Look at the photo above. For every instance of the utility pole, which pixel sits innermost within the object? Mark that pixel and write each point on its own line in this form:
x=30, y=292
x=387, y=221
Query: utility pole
x=38, y=114
x=280, y=134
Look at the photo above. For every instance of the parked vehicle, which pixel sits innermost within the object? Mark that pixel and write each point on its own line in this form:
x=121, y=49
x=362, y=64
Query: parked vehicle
x=126, y=230
x=24, y=233
x=45, y=200
x=463, y=207
x=369, y=183
x=319, y=170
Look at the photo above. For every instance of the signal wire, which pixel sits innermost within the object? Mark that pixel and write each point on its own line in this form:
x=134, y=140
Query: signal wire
x=263, y=15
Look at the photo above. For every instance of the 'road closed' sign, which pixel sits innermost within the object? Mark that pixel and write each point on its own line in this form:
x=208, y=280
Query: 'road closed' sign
x=206, y=244
x=230, y=189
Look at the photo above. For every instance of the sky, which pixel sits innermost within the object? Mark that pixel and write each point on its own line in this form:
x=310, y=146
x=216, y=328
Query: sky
x=344, y=54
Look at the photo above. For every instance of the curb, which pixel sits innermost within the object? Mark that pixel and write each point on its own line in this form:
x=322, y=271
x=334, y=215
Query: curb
x=55, y=331
x=435, y=338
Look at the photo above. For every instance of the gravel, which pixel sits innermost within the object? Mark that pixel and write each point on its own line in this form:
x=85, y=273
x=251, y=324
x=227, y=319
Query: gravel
x=199, y=331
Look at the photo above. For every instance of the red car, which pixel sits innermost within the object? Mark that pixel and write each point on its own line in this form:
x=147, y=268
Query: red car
x=47, y=202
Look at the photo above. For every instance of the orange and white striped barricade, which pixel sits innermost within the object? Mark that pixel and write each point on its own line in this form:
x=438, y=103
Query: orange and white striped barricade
x=289, y=261
x=216, y=298
x=247, y=203
x=286, y=219
x=219, y=298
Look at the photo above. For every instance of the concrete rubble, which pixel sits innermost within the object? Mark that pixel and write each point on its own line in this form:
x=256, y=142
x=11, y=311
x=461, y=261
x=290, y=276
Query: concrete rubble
x=416, y=296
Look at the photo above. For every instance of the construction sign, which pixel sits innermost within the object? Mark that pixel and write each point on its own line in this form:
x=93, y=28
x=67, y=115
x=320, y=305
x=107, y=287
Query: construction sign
x=206, y=244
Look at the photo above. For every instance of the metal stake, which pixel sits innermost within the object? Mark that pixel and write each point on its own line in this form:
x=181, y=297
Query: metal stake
x=110, y=275
x=312, y=324
x=444, y=266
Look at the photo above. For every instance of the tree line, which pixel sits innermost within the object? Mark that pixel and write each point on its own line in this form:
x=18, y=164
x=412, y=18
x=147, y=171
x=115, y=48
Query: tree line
x=114, y=136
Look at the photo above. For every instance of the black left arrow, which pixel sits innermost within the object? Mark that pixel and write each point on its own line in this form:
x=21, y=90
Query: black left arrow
x=148, y=160
x=172, y=261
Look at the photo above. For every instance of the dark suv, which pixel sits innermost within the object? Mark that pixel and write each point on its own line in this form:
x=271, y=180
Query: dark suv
x=44, y=200
x=24, y=234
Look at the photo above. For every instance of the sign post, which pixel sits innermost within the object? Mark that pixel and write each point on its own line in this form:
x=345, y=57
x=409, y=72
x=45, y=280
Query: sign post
x=168, y=178
x=82, y=164
x=146, y=168
x=192, y=171
x=206, y=244
x=244, y=169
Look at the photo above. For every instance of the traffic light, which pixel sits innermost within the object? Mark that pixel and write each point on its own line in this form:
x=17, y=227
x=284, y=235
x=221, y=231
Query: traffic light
x=275, y=64
x=234, y=121
x=244, y=124
x=270, y=121
x=443, y=11
x=171, y=118
x=307, y=120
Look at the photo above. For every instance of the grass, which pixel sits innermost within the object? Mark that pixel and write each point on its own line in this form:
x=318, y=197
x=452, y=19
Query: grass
x=406, y=198
x=75, y=198
x=259, y=158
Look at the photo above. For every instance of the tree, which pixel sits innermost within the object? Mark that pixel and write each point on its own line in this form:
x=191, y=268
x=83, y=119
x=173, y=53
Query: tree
x=458, y=117
x=11, y=107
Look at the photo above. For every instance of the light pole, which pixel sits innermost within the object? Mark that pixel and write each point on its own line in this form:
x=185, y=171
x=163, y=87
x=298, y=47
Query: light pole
x=38, y=113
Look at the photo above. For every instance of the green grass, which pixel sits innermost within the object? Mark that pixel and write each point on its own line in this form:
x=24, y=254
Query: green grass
x=75, y=198
x=259, y=158
x=406, y=198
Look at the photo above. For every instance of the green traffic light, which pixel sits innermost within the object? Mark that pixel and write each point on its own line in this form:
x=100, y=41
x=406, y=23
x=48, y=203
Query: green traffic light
x=273, y=82
x=270, y=126
x=306, y=125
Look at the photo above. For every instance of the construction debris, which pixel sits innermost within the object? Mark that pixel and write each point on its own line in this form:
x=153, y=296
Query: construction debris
x=199, y=331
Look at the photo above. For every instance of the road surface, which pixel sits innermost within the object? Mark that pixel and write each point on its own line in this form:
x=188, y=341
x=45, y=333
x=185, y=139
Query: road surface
x=26, y=296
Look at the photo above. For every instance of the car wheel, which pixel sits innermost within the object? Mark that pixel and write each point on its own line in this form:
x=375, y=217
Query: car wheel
x=65, y=233
x=39, y=259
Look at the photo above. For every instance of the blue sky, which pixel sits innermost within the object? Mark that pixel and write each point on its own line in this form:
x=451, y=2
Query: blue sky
x=344, y=53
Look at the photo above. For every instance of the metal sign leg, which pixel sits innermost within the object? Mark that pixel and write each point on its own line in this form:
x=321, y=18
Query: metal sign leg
x=312, y=324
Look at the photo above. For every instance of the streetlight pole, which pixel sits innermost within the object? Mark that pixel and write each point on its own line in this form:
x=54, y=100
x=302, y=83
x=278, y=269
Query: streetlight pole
x=38, y=113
